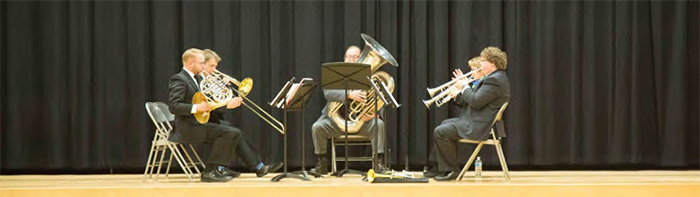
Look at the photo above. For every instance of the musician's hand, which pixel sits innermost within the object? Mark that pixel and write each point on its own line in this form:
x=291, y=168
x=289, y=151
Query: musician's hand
x=459, y=85
x=367, y=117
x=457, y=73
x=454, y=93
x=357, y=95
x=234, y=103
x=203, y=106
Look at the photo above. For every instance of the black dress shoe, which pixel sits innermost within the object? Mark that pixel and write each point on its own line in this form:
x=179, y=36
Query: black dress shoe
x=432, y=173
x=215, y=176
x=321, y=165
x=380, y=167
x=268, y=169
x=231, y=173
x=447, y=177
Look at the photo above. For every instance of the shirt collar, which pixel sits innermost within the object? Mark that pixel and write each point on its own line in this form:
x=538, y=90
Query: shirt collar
x=188, y=72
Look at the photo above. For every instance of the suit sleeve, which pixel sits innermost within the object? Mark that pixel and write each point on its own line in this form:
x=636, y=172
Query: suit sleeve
x=221, y=110
x=335, y=95
x=488, y=91
x=176, y=97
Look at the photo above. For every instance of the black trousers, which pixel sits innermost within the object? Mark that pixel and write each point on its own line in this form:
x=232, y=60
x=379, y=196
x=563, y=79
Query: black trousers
x=445, y=139
x=227, y=143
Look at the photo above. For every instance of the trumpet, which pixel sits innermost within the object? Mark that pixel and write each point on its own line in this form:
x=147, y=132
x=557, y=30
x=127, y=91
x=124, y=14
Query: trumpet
x=215, y=90
x=445, y=89
x=371, y=176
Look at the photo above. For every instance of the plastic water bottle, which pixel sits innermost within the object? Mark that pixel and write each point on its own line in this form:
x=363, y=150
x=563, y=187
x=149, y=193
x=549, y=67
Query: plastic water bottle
x=477, y=167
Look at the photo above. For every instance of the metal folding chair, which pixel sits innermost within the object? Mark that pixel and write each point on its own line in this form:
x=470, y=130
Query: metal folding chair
x=497, y=132
x=160, y=146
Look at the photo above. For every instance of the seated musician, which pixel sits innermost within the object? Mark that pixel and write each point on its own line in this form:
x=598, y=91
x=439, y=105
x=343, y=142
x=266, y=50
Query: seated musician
x=480, y=104
x=324, y=128
x=227, y=141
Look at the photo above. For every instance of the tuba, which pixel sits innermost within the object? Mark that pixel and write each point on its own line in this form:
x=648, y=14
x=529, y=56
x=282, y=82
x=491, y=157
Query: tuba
x=215, y=90
x=375, y=55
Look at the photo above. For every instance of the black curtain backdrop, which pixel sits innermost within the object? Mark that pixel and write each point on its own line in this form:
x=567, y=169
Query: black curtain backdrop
x=595, y=84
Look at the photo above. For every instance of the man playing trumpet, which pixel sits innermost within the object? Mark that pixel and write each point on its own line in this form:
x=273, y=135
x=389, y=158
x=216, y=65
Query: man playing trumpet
x=480, y=103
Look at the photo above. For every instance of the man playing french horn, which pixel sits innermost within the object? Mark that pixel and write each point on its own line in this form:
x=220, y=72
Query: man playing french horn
x=226, y=141
x=324, y=129
x=480, y=103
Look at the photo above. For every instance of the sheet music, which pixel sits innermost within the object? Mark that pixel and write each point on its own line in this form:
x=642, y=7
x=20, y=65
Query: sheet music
x=291, y=88
x=295, y=88
x=278, y=99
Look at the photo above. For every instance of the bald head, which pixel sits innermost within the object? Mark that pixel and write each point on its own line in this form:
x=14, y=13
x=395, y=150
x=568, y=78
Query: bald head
x=352, y=54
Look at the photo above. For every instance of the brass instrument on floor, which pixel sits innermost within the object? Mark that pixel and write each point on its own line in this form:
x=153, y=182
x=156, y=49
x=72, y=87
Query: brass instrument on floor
x=371, y=176
x=375, y=55
x=215, y=90
x=447, y=88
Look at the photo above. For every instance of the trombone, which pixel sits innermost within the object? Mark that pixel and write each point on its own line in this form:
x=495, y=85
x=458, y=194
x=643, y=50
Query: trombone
x=215, y=90
x=445, y=89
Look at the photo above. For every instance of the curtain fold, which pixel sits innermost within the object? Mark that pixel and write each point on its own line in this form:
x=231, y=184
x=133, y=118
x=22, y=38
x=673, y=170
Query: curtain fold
x=594, y=84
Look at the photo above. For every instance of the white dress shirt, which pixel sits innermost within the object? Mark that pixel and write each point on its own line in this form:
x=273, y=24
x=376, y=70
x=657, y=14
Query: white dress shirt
x=194, y=106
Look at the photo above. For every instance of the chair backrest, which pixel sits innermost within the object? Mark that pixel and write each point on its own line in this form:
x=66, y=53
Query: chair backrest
x=499, y=116
x=166, y=111
x=498, y=122
x=159, y=120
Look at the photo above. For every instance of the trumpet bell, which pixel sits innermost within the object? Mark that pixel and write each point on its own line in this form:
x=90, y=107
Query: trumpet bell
x=370, y=175
x=245, y=86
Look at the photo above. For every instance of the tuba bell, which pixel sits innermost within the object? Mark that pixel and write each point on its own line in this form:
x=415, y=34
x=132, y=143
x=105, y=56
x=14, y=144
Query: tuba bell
x=376, y=56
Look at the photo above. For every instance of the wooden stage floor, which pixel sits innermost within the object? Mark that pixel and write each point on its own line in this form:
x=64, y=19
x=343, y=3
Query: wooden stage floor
x=522, y=183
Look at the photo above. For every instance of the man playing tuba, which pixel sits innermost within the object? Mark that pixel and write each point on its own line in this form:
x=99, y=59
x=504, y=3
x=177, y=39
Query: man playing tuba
x=324, y=128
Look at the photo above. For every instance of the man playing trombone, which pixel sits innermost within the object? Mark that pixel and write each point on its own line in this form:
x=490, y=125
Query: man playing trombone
x=480, y=104
x=226, y=140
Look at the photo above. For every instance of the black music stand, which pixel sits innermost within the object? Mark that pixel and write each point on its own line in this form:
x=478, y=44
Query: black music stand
x=384, y=95
x=344, y=76
x=295, y=104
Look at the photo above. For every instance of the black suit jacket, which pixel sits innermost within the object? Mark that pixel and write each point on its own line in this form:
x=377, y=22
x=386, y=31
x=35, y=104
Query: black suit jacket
x=481, y=104
x=182, y=87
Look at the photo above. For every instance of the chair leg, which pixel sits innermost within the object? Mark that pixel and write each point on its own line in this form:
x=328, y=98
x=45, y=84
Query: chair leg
x=333, y=165
x=149, y=162
x=502, y=159
x=199, y=160
x=469, y=162
x=154, y=161
x=160, y=163
x=181, y=160
x=190, y=163
x=170, y=162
